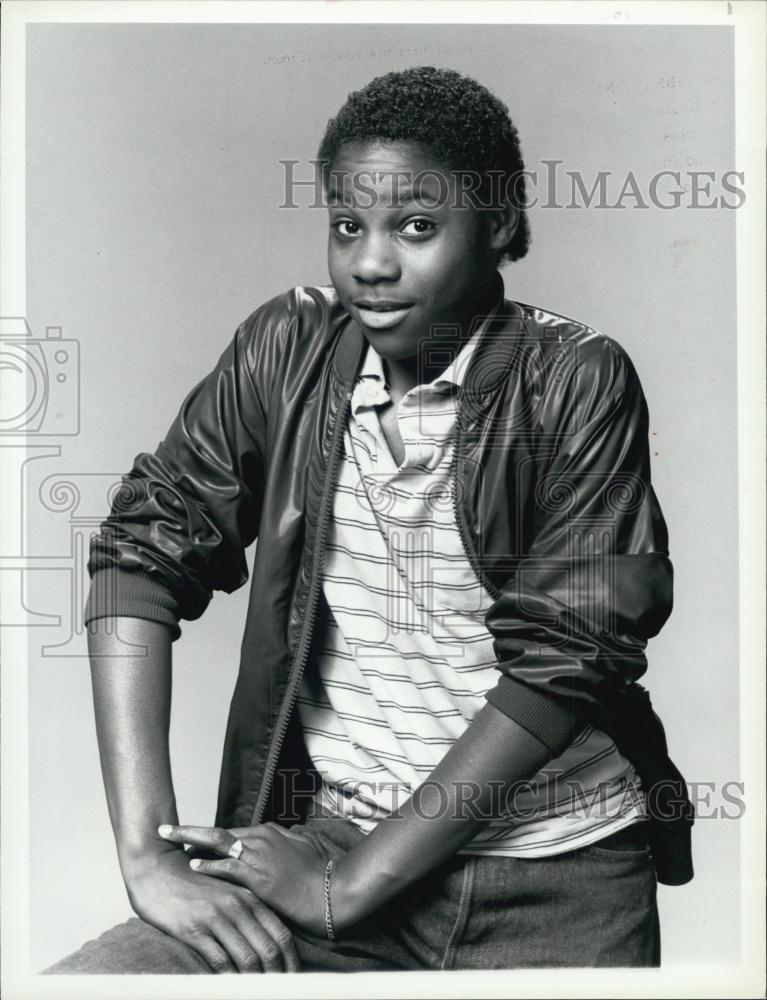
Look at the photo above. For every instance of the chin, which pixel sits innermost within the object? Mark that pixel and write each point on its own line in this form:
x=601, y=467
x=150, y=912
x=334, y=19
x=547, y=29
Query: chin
x=390, y=344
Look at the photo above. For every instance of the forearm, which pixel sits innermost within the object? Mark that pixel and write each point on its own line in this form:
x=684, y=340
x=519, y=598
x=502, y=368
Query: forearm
x=443, y=815
x=131, y=696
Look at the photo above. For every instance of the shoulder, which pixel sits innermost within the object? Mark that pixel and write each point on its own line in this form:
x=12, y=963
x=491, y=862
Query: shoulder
x=300, y=310
x=294, y=323
x=576, y=361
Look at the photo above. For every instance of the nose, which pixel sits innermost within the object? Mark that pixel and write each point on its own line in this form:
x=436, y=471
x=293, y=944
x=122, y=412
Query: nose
x=376, y=259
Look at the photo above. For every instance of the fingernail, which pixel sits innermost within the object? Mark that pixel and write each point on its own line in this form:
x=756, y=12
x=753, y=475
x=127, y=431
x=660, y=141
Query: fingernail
x=165, y=830
x=195, y=863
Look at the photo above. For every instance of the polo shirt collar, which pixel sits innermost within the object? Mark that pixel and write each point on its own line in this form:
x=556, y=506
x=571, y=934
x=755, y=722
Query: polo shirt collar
x=372, y=394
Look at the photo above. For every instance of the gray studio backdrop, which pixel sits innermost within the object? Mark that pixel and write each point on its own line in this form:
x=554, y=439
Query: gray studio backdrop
x=154, y=228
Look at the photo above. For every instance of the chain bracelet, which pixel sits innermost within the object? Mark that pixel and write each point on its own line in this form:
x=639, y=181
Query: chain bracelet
x=328, y=913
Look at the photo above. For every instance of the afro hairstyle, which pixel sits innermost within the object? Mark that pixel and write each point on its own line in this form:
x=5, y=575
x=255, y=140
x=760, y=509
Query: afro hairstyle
x=453, y=116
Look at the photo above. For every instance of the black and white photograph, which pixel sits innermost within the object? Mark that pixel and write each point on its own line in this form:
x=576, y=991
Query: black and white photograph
x=382, y=442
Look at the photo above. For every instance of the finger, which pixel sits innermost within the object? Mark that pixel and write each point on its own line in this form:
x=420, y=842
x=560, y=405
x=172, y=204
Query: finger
x=279, y=933
x=269, y=945
x=240, y=951
x=255, y=842
x=211, y=952
x=214, y=838
x=263, y=829
x=241, y=832
x=253, y=839
x=249, y=835
x=229, y=870
x=252, y=836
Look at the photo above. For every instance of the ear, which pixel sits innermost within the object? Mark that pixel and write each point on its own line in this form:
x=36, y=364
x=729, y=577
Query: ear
x=502, y=224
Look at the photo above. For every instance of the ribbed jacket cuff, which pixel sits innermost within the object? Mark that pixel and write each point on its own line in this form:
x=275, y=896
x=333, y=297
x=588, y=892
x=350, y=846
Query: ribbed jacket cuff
x=551, y=722
x=116, y=592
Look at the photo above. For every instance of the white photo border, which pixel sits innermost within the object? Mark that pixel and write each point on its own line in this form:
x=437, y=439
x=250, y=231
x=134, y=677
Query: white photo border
x=743, y=980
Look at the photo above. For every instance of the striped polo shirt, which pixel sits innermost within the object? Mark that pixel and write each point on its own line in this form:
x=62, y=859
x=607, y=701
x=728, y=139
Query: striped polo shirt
x=404, y=659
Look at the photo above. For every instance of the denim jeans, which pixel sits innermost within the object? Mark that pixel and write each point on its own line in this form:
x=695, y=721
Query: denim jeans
x=592, y=907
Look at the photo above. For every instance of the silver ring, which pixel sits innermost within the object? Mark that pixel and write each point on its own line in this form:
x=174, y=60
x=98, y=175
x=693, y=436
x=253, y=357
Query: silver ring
x=235, y=851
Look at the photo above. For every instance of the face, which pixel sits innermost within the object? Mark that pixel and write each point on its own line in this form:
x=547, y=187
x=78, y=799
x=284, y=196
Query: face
x=403, y=255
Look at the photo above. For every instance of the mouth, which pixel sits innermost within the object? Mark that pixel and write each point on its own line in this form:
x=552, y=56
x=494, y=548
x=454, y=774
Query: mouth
x=382, y=314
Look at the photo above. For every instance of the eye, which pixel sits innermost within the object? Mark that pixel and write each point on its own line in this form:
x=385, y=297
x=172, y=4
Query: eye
x=418, y=227
x=346, y=227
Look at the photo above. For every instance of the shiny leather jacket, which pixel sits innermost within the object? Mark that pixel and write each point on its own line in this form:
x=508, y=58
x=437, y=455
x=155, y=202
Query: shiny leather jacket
x=552, y=498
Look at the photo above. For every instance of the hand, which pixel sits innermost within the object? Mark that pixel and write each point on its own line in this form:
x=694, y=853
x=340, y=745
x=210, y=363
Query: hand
x=226, y=925
x=278, y=866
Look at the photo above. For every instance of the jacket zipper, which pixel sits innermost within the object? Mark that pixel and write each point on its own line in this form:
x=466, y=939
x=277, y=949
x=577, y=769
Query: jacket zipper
x=458, y=516
x=302, y=650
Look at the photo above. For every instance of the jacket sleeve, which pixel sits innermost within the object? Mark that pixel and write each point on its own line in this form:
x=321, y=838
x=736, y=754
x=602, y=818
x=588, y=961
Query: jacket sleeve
x=183, y=517
x=571, y=625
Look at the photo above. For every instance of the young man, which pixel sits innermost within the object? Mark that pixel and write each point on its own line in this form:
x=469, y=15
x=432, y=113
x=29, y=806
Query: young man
x=460, y=560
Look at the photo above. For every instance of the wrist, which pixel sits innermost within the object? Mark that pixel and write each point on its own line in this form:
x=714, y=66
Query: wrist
x=357, y=890
x=345, y=893
x=138, y=856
